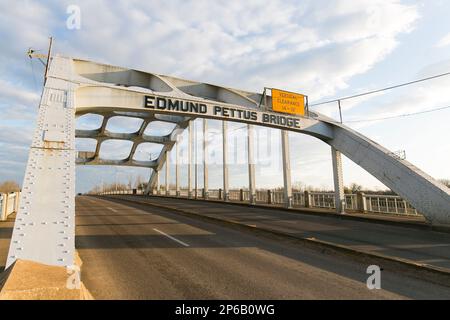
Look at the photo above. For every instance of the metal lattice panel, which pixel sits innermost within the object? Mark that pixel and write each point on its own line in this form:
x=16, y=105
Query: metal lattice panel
x=138, y=137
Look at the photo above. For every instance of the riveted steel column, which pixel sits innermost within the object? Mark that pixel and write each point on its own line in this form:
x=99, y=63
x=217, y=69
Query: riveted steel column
x=190, y=163
x=339, y=196
x=286, y=168
x=205, y=157
x=251, y=164
x=44, y=229
x=225, y=160
x=167, y=172
x=177, y=167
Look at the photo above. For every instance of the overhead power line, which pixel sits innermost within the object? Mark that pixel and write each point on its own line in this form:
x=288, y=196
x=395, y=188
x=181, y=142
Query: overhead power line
x=399, y=116
x=383, y=89
x=34, y=76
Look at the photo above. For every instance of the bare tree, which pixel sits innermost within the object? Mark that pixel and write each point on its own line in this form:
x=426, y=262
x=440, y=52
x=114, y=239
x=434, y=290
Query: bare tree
x=9, y=186
x=109, y=187
x=353, y=188
x=139, y=182
x=445, y=182
x=130, y=180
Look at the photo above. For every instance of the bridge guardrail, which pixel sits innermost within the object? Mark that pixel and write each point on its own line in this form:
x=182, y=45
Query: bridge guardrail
x=358, y=202
x=9, y=203
x=389, y=204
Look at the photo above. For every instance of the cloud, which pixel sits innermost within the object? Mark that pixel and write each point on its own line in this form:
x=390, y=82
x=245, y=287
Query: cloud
x=444, y=41
x=11, y=136
x=18, y=94
x=411, y=99
x=315, y=47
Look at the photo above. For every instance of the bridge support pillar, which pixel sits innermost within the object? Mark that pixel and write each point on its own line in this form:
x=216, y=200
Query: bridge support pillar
x=177, y=167
x=158, y=190
x=286, y=168
x=190, y=163
x=167, y=173
x=339, y=196
x=251, y=164
x=361, y=202
x=44, y=228
x=308, y=203
x=205, y=157
x=225, y=160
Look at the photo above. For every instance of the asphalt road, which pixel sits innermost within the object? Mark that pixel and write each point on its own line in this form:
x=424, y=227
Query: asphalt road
x=421, y=245
x=144, y=252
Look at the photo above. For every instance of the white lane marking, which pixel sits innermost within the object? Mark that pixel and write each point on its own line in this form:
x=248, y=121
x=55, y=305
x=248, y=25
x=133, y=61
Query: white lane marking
x=170, y=237
x=112, y=209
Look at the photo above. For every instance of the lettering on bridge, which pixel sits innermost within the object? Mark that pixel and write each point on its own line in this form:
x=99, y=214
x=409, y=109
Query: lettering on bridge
x=167, y=104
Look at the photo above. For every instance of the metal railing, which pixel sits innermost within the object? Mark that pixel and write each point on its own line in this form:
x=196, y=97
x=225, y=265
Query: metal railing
x=9, y=203
x=359, y=202
x=389, y=204
x=322, y=200
x=298, y=199
x=261, y=196
x=327, y=200
x=235, y=195
x=214, y=194
x=278, y=197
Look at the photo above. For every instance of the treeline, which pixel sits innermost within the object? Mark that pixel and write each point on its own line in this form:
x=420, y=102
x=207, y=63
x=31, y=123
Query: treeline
x=107, y=187
x=297, y=187
x=9, y=186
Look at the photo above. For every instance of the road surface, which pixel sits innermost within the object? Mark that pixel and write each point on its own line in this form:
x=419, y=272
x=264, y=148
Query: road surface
x=417, y=244
x=145, y=252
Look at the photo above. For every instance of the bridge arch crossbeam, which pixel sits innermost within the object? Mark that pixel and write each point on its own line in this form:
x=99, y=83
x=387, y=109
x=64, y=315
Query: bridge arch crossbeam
x=101, y=135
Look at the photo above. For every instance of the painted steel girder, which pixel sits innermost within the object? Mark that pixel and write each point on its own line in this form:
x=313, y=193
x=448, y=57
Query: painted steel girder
x=44, y=227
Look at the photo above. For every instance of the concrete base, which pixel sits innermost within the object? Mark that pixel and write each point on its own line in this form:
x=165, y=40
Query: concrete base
x=28, y=280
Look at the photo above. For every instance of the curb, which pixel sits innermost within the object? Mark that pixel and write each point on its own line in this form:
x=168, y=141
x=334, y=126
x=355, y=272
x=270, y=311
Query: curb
x=312, y=212
x=433, y=274
x=84, y=292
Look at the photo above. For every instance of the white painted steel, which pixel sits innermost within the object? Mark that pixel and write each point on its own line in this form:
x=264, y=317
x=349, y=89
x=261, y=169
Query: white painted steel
x=44, y=228
x=251, y=164
x=225, y=160
x=286, y=158
x=9, y=203
x=45, y=224
x=338, y=178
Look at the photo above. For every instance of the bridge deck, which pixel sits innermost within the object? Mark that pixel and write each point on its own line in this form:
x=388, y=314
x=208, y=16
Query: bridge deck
x=132, y=250
x=420, y=245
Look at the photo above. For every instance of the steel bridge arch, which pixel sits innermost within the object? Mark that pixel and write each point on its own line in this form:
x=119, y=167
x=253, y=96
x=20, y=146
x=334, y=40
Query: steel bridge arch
x=44, y=227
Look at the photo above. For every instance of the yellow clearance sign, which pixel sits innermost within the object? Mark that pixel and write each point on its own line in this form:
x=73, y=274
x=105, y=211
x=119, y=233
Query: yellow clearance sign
x=288, y=102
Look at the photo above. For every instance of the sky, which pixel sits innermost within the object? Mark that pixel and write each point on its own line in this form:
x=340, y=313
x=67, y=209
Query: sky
x=324, y=49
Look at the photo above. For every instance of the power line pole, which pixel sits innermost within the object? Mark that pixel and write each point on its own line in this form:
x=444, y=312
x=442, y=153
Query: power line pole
x=48, y=58
x=32, y=54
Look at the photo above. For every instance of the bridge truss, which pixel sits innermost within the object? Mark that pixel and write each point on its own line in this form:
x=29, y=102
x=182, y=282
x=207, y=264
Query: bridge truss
x=44, y=230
